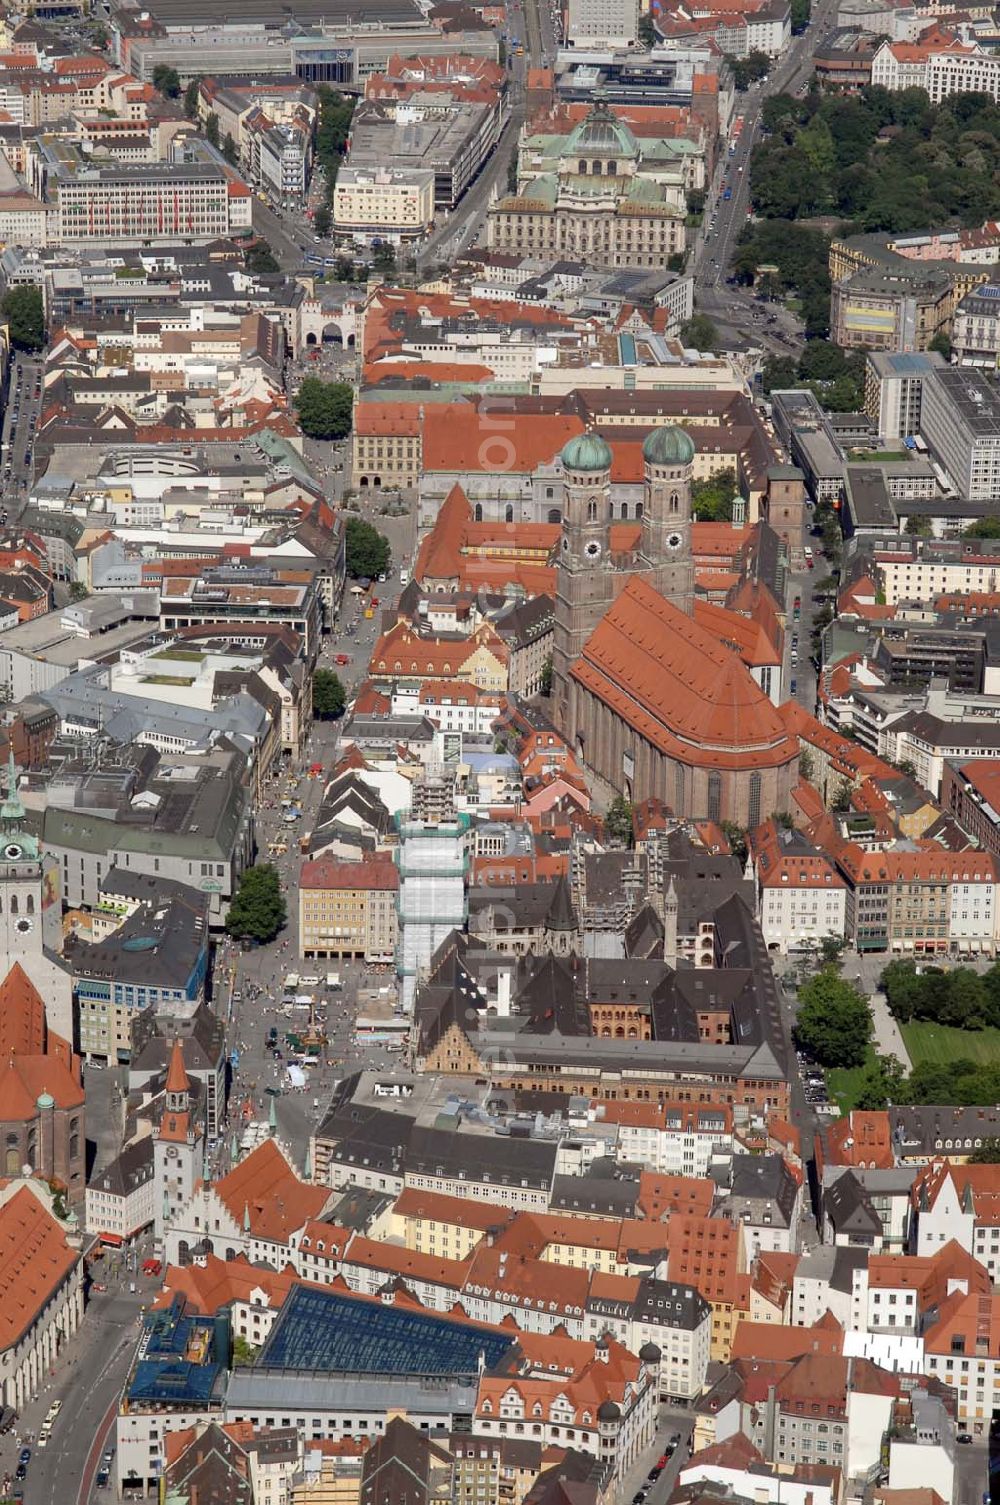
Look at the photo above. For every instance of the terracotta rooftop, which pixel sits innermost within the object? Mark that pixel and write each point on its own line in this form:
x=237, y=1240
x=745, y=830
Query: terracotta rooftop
x=678, y=687
x=35, y=1259
x=265, y=1188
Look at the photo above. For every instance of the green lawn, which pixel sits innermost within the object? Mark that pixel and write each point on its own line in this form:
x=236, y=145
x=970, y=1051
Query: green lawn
x=843, y=1083
x=941, y=1043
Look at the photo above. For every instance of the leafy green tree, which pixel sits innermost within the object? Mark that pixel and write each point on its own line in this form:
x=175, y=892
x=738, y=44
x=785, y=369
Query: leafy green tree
x=647, y=30
x=800, y=12
x=545, y=683
x=384, y=259
x=329, y=696
x=712, y=499
x=368, y=551
x=746, y=70
x=841, y=796
x=834, y=1022
x=737, y=838
x=695, y=200
x=512, y=172
x=332, y=129
x=244, y=1353
x=212, y=128
x=167, y=80
x=229, y=150
x=78, y=591
x=807, y=767
x=882, y=1083
x=323, y=222
x=24, y=311
x=618, y=821
x=988, y=1153
x=260, y=259
x=191, y=99
x=324, y=408
x=700, y=333
x=941, y=344
x=831, y=950
x=984, y=527
x=257, y=911
x=779, y=372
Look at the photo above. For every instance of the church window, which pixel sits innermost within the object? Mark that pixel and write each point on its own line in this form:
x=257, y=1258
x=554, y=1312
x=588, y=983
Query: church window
x=592, y=511
x=613, y=169
x=624, y=509
x=596, y=169
x=714, y=795
x=13, y=903
x=638, y=509
x=583, y=169
x=508, y=514
x=478, y=513
x=554, y=515
x=754, y=813
x=675, y=501
x=30, y=904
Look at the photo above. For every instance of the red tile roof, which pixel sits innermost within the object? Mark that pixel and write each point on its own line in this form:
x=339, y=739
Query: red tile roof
x=678, y=687
x=265, y=1188
x=376, y=870
x=35, y=1259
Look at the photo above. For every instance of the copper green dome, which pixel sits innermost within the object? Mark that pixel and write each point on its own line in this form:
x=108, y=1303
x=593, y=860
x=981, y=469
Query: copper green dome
x=668, y=446
x=586, y=452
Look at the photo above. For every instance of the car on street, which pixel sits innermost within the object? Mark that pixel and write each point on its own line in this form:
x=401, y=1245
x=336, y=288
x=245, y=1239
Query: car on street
x=21, y=1472
x=24, y=1456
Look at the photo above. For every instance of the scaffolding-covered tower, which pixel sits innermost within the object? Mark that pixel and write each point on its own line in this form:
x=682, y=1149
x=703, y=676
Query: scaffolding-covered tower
x=432, y=868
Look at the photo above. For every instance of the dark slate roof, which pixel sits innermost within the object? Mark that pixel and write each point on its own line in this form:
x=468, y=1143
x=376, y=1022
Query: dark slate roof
x=759, y=1183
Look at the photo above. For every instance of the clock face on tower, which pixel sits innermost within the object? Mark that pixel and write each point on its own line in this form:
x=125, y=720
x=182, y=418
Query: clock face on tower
x=593, y=549
x=674, y=541
x=24, y=926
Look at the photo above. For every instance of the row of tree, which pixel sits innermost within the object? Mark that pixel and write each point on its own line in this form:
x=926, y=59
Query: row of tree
x=959, y=997
x=836, y=376
x=885, y=161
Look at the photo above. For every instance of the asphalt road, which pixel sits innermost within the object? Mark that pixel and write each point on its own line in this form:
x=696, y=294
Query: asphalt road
x=92, y=1369
x=19, y=423
x=736, y=307
x=533, y=22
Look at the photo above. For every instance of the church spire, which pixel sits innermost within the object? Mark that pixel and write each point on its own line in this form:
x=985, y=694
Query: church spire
x=12, y=810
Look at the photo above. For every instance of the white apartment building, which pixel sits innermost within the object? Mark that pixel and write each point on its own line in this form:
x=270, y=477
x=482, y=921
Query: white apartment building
x=948, y=68
x=186, y=202
x=383, y=203
x=960, y=420
x=121, y=1200
x=674, y=1139
x=602, y=23
x=963, y=1351
x=966, y=73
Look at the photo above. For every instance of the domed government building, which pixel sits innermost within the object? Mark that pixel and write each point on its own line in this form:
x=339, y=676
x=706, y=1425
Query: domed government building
x=597, y=194
x=653, y=701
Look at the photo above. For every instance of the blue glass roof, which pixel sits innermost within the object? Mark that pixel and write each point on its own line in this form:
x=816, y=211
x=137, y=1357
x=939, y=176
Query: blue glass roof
x=175, y=1383
x=327, y=1331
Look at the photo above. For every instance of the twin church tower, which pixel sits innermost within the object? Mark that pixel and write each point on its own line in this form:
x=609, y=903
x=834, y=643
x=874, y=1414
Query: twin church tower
x=600, y=554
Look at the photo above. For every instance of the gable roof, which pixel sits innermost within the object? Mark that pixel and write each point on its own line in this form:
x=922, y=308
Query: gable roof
x=671, y=680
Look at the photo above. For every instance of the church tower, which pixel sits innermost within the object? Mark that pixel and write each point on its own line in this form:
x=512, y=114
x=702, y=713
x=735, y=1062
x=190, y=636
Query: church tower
x=30, y=911
x=177, y=1146
x=586, y=584
x=668, y=455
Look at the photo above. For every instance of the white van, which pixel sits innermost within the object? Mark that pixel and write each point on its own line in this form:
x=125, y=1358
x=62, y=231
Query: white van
x=333, y=981
x=404, y=577
x=309, y=982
